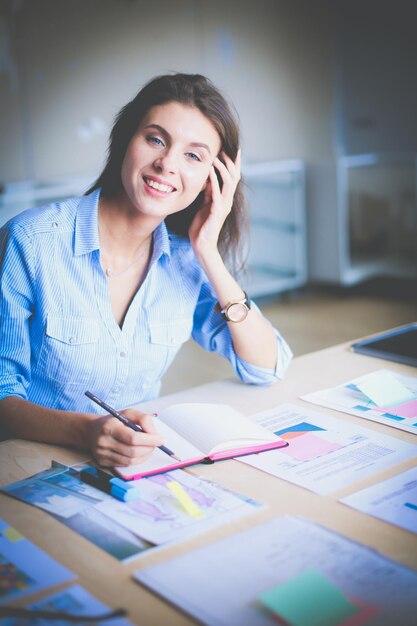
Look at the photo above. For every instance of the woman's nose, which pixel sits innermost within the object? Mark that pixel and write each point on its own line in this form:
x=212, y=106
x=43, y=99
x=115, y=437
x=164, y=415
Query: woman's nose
x=166, y=162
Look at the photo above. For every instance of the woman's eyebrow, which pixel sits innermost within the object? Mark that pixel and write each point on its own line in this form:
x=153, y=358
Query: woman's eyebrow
x=194, y=144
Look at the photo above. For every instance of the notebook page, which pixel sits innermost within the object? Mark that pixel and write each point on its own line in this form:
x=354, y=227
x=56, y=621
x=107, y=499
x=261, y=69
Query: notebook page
x=181, y=448
x=173, y=440
x=214, y=426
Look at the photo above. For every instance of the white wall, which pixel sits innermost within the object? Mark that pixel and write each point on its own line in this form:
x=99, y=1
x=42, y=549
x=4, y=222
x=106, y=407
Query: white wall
x=69, y=66
x=311, y=79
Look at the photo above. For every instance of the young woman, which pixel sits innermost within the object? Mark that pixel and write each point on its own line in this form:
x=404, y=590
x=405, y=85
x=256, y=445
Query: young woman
x=98, y=293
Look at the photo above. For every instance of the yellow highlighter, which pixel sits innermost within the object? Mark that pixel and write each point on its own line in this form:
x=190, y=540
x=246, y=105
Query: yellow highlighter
x=185, y=500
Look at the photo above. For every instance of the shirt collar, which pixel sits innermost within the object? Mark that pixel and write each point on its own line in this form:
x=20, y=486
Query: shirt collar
x=161, y=243
x=86, y=224
x=86, y=229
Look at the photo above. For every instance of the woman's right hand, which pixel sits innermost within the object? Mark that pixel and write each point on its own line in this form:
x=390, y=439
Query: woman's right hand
x=114, y=444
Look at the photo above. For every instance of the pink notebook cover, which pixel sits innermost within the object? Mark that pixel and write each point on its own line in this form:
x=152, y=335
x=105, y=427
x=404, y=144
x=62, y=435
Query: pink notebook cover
x=218, y=456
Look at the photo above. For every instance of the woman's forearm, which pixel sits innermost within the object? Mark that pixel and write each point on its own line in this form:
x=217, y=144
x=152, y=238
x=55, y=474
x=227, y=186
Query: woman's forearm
x=254, y=338
x=25, y=420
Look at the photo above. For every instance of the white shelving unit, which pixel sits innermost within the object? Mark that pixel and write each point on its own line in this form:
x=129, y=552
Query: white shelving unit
x=19, y=196
x=276, y=198
x=378, y=213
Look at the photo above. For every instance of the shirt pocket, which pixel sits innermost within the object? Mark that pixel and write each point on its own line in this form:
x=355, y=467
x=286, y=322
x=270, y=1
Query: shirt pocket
x=69, y=349
x=166, y=338
x=172, y=333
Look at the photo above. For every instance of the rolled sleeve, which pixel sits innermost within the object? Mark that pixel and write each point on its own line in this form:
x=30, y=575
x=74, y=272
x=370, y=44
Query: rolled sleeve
x=212, y=333
x=254, y=374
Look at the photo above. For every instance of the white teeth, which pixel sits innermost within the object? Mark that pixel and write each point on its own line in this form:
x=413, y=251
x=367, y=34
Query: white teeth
x=158, y=186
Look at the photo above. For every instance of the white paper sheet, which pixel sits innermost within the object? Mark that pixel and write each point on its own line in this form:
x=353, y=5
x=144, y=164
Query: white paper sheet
x=325, y=453
x=393, y=500
x=219, y=584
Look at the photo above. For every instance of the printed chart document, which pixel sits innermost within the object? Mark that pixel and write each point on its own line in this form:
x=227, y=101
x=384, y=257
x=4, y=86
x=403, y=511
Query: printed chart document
x=25, y=568
x=230, y=581
x=128, y=529
x=198, y=432
x=383, y=396
x=325, y=453
x=393, y=500
x=159, y=517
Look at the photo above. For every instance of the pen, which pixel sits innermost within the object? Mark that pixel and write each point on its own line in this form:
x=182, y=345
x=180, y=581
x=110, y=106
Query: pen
x=123, y=419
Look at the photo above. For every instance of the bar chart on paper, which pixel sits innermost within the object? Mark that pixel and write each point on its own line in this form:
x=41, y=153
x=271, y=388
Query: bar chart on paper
x=307, y=441
x=324, y=453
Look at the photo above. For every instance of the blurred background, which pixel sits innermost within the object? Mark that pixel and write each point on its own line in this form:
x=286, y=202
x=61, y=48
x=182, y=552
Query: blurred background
x=326, y=93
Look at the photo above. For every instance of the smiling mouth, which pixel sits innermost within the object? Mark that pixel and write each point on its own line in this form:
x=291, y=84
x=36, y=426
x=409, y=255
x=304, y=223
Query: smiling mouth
x=163, y=188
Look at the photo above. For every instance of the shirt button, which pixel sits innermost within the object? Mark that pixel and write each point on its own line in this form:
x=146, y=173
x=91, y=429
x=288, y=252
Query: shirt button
x=54, y=224
x=123, y=354
x=72, y=339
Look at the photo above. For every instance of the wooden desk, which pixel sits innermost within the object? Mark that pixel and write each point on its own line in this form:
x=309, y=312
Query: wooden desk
x=111, y=581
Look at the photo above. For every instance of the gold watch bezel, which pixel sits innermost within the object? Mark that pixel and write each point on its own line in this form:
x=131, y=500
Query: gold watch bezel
x=243, y=303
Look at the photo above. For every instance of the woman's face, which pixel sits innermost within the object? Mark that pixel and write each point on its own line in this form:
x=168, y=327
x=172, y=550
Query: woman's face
x=168, y=160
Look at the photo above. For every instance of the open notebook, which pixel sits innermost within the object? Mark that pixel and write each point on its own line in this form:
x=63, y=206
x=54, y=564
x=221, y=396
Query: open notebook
x=202, y=433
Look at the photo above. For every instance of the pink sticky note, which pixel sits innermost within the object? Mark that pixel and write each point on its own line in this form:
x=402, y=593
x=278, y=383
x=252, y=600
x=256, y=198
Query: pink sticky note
x=309, y=446
x=367, y=612
x=405, y=409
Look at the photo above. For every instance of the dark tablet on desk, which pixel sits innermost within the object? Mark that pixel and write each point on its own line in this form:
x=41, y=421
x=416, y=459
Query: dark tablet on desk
x=395, y=345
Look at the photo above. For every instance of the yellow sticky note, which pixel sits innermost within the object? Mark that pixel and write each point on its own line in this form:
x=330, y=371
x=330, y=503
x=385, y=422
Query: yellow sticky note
x=184, y=499
x=12, y=534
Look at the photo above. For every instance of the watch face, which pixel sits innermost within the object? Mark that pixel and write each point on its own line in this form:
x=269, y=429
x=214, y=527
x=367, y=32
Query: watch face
x=237, y=312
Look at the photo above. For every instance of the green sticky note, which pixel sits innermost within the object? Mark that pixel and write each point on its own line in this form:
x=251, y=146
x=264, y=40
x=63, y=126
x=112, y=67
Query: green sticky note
x=384, y=389
x=308, y=600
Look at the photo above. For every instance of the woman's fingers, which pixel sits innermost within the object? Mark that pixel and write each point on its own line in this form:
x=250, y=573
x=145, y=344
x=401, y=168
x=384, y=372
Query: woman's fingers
x=127, y=436
x=230, y=174
x=112, y=450
x=215, y=187
x=229, y=168
x=117, y=444
x=226, y=175
x=144, y=420
x=108, y=457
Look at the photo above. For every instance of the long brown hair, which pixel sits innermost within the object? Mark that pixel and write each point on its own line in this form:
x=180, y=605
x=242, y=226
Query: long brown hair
x=193, y=90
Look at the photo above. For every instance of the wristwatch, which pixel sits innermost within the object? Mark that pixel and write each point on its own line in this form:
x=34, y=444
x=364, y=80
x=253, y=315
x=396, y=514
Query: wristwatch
x=236, y=310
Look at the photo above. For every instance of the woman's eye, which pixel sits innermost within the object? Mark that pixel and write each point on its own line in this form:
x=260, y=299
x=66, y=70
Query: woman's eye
x=194, y=156
x=155, y=140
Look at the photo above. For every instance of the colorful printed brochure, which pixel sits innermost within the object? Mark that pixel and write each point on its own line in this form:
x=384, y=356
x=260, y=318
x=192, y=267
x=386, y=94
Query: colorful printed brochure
x=25, y=568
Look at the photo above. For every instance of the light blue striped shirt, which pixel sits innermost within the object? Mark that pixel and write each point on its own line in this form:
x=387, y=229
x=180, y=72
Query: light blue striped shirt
x=58, y=334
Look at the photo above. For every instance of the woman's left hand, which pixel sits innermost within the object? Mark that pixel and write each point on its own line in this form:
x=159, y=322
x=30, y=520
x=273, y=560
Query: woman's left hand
x=207, y=224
